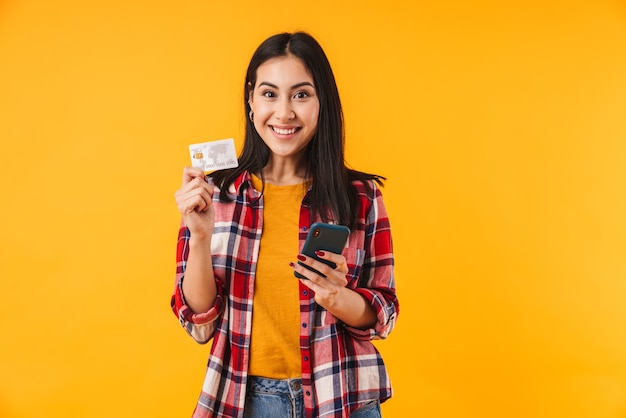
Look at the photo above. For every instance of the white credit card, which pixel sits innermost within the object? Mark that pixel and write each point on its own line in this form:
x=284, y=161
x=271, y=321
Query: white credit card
x=214, y=155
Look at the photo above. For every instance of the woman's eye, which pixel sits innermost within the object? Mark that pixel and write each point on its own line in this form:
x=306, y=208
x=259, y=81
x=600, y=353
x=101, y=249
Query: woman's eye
x=301, y=95
x=268, y=94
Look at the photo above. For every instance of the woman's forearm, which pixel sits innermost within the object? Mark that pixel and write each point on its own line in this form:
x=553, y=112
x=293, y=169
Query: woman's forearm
x=353, y=309
x=199, y=282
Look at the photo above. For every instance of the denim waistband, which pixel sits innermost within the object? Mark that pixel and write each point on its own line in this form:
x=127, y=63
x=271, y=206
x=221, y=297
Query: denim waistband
x=293, y=387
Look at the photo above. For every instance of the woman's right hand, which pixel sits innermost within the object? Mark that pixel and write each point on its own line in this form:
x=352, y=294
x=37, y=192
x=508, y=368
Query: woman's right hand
x=195, y=202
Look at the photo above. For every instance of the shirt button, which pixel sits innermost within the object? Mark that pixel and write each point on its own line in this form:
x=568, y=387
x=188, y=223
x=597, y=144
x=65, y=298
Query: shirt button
x=303, y=325
x=308, y=393
x=305, y=293
x=306, y=358
x=304, y=228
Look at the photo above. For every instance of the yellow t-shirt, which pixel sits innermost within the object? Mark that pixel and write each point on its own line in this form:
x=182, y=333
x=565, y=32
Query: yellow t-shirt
x=275, y=340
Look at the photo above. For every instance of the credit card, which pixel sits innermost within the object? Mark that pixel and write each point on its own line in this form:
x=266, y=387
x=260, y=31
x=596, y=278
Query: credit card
x=214, y=155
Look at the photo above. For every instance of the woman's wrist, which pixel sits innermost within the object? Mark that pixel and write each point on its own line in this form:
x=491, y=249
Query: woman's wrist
x=200, y=239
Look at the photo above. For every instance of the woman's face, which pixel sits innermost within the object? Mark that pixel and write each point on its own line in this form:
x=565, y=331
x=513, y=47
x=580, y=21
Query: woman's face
x=285, y=106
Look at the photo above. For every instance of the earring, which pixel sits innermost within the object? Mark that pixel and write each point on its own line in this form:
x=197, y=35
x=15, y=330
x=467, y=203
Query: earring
x=251, y=116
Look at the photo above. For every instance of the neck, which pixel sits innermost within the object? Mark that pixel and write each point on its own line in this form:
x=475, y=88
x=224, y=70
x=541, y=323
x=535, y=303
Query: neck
x=284, y=173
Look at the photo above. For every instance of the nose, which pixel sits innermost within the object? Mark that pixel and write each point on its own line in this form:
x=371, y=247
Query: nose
x=284, y=110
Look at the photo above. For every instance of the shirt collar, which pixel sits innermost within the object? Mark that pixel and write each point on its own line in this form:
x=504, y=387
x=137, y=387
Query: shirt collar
x=243, y=183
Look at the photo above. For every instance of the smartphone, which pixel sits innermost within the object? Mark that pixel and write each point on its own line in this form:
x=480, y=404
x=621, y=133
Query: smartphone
x=324, y=237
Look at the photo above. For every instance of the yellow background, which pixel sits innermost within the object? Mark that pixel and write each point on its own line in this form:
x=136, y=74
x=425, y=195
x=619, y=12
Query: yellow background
x=500, y=125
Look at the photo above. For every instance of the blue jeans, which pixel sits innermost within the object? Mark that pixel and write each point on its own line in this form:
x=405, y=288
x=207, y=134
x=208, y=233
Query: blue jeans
x=271, y=398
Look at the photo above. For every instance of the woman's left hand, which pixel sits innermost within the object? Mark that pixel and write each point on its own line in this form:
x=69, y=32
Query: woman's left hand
x=327, y=289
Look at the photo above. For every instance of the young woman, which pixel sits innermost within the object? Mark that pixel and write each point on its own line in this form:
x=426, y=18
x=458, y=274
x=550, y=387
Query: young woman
x=282, y=346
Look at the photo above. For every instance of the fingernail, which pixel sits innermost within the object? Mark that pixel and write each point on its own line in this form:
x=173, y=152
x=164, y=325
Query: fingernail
x=291, y=264
x=319, y=253
x=301, y=257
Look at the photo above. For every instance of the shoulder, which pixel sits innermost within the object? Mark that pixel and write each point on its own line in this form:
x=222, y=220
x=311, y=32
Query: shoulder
x=367, y=184
x=366, y=189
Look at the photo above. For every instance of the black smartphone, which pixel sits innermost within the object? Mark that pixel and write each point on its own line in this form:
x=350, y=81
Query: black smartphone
x=324, y=237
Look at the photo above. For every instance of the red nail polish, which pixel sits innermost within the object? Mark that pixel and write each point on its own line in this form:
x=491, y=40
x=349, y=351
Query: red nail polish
x=291, y=264
x=301, y=257
x=319, y=253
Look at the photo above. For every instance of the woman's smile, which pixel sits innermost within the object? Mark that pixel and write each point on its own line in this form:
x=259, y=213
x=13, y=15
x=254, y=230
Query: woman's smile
x=284, y=131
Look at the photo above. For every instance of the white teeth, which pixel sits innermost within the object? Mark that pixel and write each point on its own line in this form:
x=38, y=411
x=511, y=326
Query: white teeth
x=284, y=131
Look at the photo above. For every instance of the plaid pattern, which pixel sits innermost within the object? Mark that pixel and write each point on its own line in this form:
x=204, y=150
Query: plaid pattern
x=341, y=368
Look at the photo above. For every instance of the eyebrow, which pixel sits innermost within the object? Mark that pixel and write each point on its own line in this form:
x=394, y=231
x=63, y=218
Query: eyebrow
x=295, y=86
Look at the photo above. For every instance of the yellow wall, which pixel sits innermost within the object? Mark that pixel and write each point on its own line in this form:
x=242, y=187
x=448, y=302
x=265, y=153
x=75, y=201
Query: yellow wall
x=500, y=125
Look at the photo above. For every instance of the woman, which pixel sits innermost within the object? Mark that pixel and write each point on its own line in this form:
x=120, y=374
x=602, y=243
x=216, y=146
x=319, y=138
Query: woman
x=283, y=346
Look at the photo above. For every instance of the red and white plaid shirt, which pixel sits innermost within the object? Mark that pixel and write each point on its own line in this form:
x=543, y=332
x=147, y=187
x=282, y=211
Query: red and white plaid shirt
x=341, y=368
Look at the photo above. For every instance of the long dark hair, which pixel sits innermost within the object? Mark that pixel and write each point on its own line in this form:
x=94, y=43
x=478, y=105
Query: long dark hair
x=332, y=195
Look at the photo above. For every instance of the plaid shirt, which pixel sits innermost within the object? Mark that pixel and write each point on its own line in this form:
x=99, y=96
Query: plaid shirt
x=341, y=368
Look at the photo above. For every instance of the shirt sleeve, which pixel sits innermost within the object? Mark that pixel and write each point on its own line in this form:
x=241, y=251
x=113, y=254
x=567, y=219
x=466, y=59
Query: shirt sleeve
x=200, y=326
x=376, y=282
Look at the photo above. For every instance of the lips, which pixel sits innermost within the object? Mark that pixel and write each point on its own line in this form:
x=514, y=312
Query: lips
x=284, y=131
